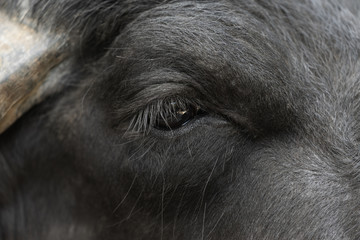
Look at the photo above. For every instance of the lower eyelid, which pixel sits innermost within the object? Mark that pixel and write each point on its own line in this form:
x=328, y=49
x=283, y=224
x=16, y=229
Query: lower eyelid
x=207, y=120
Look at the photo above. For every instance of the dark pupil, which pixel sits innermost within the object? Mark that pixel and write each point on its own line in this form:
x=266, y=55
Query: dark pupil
x=175, y=118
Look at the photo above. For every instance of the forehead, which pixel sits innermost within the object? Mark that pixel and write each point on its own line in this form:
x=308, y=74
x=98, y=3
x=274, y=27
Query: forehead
x=256, y=60
x=212, y=37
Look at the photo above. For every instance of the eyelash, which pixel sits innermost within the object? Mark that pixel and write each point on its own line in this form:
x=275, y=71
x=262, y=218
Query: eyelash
x=146, y=119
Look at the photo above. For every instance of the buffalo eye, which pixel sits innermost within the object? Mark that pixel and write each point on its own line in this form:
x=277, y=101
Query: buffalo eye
x=176, y=116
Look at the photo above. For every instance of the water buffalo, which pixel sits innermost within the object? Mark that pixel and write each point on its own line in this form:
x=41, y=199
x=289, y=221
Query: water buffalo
x=173, y=119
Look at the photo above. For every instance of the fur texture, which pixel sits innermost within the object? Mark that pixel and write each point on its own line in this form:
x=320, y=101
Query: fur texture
x=275, y=157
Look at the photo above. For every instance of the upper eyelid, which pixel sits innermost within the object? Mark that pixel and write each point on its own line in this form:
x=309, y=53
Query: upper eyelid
x=135, y=100
x=155, y=93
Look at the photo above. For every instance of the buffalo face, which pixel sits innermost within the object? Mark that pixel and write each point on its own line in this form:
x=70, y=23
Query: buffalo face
x=188, y=120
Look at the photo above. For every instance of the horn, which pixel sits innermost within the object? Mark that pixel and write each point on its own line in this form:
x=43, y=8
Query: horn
x=32, y=64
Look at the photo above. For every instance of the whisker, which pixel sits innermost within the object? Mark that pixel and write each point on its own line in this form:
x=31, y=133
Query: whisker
x=127, y=193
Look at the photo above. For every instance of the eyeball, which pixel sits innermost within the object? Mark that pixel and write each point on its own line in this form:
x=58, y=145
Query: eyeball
x=176, y=116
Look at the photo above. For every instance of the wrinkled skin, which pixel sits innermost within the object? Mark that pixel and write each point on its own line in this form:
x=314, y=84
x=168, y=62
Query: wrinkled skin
x=275, y=156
